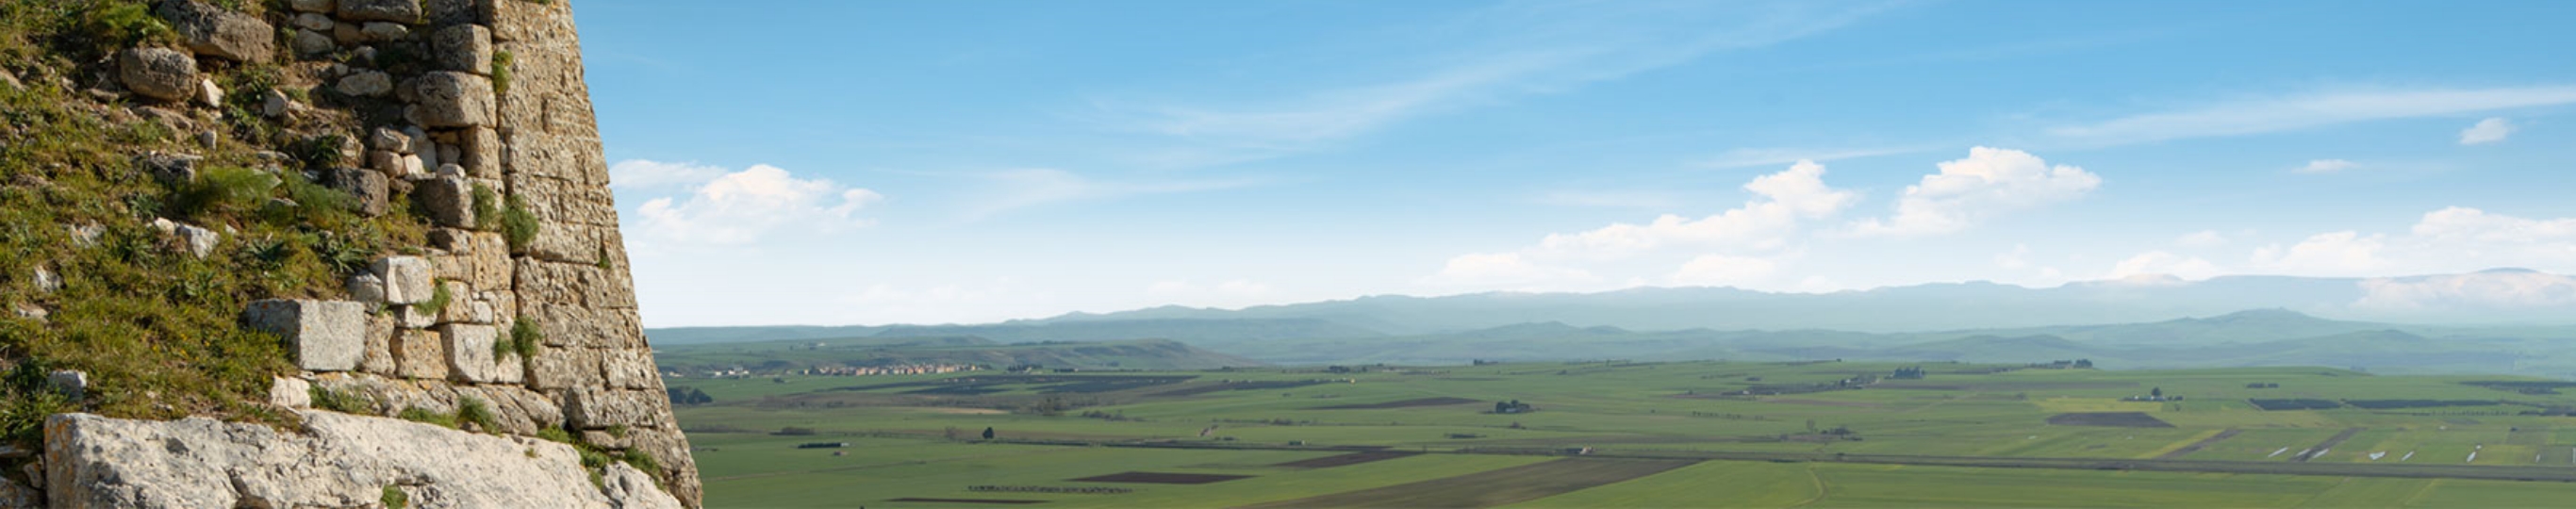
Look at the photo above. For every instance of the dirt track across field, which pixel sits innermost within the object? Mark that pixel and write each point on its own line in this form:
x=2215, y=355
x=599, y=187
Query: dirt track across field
x=1402, y=404
x=2202, y=444
x=1347, y=459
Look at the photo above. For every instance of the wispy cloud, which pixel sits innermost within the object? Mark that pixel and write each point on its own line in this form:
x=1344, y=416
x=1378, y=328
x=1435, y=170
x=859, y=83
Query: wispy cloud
x=1034, y=187
x=2308, y=111
x=1775, y=156
x=2324, y=166
x=1509, y=51
x=2487, y=131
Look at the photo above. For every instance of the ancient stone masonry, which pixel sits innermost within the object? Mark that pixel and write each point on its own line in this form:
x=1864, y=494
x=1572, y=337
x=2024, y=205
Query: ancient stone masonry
x=520, y=308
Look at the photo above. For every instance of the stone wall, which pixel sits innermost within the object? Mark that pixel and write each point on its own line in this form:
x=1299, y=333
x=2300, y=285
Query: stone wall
x=476, y=110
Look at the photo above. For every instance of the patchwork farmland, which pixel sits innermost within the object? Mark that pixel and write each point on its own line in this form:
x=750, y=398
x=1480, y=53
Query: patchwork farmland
x=1636, y=434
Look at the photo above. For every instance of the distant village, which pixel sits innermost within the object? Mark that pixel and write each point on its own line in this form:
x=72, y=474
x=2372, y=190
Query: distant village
x=898, y=369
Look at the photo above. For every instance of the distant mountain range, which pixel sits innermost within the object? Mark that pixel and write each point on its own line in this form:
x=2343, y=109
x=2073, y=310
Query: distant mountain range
x=2497, y=321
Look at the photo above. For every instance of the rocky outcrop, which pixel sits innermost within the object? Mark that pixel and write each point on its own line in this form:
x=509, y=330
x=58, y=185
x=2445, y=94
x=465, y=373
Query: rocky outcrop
x=333, y=460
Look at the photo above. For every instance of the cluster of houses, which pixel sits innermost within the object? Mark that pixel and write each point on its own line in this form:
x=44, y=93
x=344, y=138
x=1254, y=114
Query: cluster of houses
x=899, y=369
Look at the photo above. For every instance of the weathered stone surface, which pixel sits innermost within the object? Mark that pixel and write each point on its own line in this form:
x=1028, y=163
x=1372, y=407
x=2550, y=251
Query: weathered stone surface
x=381, y=31
x=630, y=368
x=367, y=288
x=366, y=84
x=209, y=95
x=390, y=140
x=379, y=359
x=368, y=189
x=469, y=352
x=569, y=243
x=509, y=368
x=275, y=104
x=46, y=281
x=159, y=73
x=71, y=383
x=421, y=354
x=573, y=283
x=213, y=31
x=587, y=327
x=628, y=488
x=313, y=21
x=338, y=461
x=573, y=160
x=312, y=43
x=449, y=201
x=13, y=494
x=669, y=447
x=480, y=258
x=415, y=316
x=596, y=408
x=169, y=168
x=454, y=99
x=326, y=335
x=557, y=369
x=460, y=305
x=400, y=11
x=290, y=392
x=408, y=279
x=310, y=5
x=466, y=48
x=479, y=151
x=193, y=240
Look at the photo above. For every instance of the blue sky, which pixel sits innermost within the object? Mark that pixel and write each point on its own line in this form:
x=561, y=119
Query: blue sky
x=967, y=161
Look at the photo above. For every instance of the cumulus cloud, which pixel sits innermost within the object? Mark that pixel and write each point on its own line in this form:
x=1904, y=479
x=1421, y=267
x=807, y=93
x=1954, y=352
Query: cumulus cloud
x=1988, y=183
x=2160, y=263
x=741, y=207
x=1722, y=270
x=1780, y=201
x=2324, y=166
x=635, y=174
x=1506, y=270
x=2491, y=130
x=2487, y=289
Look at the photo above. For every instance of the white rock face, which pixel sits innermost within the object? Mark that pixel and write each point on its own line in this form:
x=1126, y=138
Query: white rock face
x=326, y=335
x=469, y=352
x=338, y=460
x=408, y=279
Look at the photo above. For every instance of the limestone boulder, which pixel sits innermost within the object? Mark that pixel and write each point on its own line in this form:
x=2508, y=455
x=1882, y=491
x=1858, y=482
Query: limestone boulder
x=337, y=460
x=368, y=190
x=381, y=330
x=194, y=240
x=213, y=31
x=449, y=201
x=597, y=408
x=408, y=279
x=310, y=5
x=398, y=11
x=421, y=355
x=454, y=99
x=159, y=73
x=325, y=335
x=366, y=84
x=469, y=352
x=628, y=488
x=466, y=48
x=290, y=392
x=312, y=43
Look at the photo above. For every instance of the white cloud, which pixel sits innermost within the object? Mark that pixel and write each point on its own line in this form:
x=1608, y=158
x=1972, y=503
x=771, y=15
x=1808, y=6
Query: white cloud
x=1722, y=270
x=741, y=207
x=2160, y=263
x=635, y=174
x=1484, y=57
x=2307, y=111
x=2324, y=166
x=1765, y=222
x=1506, y=270
x=2491, y=130
x=2201, y=239
x=2492, y=289
x=2337, y=253
x=1988, y=183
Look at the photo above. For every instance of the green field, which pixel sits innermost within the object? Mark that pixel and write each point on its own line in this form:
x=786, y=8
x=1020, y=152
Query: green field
x=1827, y=434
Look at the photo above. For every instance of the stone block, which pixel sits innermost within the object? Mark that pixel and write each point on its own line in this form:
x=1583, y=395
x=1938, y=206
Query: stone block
x=479, y=151
x=466, y=48
x=630, y=368
x=159, y=73
x=421, y=354
x=480, y=258
x=380, y=31
x=398, y=11
x=454, y=99
x=310, y=5
x=569, y=159
x=557, y=369
x=457, y=12
x=213, y=31
x=585, y=327
x=290, y=392
x=408, y=279
x=367, y=189
x=390, y=140
x=469, y=352
x=365, y=83
x=584, y=284
x=367, y=288
x=509, y=368
x=379, y=359
x=415, y=317
x=325, y=335
x=313, y=43
x=598, y=408
x=448, y=201
x=569, y=243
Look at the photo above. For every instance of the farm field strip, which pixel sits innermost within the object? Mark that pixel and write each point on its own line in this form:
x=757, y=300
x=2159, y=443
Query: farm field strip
x=1496, y=487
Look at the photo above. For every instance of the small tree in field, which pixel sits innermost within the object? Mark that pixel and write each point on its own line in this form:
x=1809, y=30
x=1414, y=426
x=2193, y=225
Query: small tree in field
x=988, y=433
x=2157, y=392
